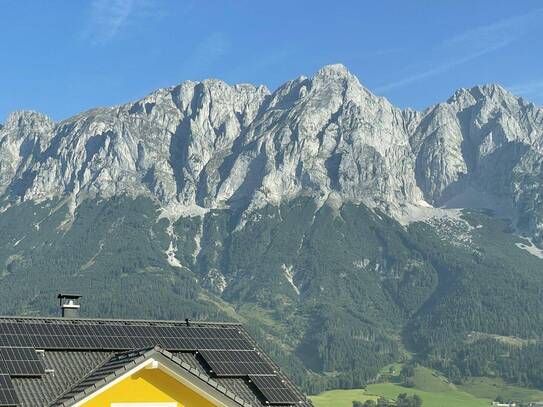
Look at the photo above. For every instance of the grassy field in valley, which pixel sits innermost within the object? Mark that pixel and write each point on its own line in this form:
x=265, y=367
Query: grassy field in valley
x=491, y=388
x=341, y=398
x=434, y=389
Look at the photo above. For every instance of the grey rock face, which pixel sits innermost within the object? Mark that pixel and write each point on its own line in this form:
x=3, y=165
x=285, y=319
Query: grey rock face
x=212, y=145
x=483, y=139
x=23, y=139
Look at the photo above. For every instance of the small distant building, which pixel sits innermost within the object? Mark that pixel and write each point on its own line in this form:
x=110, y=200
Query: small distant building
x=76, y=362
x=498, y=404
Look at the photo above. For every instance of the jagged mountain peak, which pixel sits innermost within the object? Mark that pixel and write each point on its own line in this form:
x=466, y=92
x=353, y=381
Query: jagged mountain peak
x=334, y=72
x=27, y=118
x=497, y=111
x=337, y=68
x=326, y=91
x=189, y=94
x=494, y=94
x=338, y=73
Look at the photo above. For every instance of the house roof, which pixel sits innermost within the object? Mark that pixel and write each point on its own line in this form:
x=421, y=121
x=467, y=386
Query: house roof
x=81, y=355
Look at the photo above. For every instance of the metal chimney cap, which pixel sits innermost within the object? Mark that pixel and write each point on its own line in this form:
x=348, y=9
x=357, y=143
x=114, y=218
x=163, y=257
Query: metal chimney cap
x=68, y=296
x=70, y=304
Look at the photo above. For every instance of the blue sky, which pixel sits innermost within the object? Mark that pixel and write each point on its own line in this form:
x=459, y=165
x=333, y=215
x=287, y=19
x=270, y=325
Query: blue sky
x=63, y=57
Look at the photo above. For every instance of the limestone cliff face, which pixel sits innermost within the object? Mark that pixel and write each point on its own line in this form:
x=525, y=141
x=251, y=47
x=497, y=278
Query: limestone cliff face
x=483, y=141
x=212, y=145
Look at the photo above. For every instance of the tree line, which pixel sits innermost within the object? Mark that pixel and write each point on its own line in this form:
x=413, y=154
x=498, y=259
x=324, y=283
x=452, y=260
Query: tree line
x=403, y=400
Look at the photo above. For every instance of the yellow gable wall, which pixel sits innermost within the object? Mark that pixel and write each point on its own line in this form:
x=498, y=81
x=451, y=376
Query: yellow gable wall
x=149, y=385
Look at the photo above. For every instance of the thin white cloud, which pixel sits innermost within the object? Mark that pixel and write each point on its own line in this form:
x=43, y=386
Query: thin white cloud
x=386, y=51
x=107, y=18
x=497, y=34
x=268, y=60
x=211, y=49
x=532, y=89
x=472, y=44
x=430, y=72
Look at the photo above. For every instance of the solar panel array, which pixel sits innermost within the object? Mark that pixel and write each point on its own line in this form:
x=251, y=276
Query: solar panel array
x=120, y=337
x=8, y=397
x=274, y=389
x=236, y=363
x=20, y=362
x=224, y=349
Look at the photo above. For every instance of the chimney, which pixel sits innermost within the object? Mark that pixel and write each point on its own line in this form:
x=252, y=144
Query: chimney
x=69, y=305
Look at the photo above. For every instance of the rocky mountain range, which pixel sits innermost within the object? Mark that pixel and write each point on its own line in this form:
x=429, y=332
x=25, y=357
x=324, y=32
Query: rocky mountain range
x=210, y=145
x=340, y=229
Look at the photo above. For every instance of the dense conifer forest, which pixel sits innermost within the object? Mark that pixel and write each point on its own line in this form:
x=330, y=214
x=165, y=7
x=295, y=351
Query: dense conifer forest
x=333, y=294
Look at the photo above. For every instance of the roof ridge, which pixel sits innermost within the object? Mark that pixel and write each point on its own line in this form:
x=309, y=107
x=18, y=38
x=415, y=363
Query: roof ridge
x=154, y=321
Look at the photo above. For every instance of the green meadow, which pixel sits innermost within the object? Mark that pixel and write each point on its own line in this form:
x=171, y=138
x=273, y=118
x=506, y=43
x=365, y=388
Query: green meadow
x=434, y=389
x=491, y=388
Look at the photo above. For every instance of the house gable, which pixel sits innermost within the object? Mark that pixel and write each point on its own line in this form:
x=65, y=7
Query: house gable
x=148, y=386
x=156, y=380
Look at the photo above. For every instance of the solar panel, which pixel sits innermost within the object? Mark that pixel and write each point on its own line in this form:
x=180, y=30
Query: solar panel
x=235, y=363
x=274, y=389
x=8, y=397
x=21, y=362
x=104, y=336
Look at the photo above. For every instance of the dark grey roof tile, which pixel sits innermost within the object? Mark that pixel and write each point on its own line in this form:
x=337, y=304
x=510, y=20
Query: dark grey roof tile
x=68, y=368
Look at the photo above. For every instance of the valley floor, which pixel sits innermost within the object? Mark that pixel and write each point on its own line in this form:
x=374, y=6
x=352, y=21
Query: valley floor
x=434, y=390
